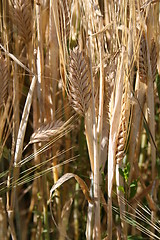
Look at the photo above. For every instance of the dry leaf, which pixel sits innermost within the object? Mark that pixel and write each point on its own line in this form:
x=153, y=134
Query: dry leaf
x=68, y=176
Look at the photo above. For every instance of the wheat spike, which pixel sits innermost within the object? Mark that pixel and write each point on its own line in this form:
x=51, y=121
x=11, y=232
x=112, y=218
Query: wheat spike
x=143, y=69
x=123, y=131
x=153, y=57
x=79, y=90
x=64, y=18
x=45, y=132
x=21, y=15
x=4, y=80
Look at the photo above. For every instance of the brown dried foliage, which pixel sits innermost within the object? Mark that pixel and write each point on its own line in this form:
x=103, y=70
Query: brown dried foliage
x=79, y=90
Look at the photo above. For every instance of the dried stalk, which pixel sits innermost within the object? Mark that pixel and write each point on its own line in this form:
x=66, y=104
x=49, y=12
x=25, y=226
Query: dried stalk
x=76, y=212
x=40, y=61
x=53, y=55
x=138, y=106
x=37, y=185
x=20, y=138
x=97, y=233
x=4, y=116
x=3, y=221
x=120, y=151
x=114, y=129
x=96, y=177
x=54, y=75
x=42, y=110
x=151, y=114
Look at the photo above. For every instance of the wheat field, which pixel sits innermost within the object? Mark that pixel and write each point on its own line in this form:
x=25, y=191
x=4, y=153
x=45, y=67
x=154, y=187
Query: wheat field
x=79, y=119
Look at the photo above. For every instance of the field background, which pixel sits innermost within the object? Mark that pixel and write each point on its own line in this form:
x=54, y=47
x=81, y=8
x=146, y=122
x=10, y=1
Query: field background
x=79, y=119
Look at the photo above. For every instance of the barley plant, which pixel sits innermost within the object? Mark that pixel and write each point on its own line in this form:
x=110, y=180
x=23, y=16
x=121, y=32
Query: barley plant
x=79, y=119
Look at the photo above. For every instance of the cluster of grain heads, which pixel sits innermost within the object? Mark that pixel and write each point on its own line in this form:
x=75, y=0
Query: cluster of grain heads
x=95, y=60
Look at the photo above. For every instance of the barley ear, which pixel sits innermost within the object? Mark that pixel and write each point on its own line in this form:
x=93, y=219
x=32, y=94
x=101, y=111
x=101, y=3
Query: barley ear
x=4, y=80
x=21, y=15
x=143, y=69
x=79, y=89
x=153, y=57
x=64, y=18
x=46, y=132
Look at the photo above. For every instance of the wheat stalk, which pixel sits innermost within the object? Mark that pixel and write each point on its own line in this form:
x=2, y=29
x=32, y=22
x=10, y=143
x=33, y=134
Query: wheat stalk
x=3, y=221
x=113, y=137
x=120, y=149
x=150, y=101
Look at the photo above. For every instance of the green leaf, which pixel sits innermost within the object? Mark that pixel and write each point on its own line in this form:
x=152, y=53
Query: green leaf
x=133, y=188
x=134, y=237
x=121, y=188
x=132, y=185
x=126, y=172
x=121, y=172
